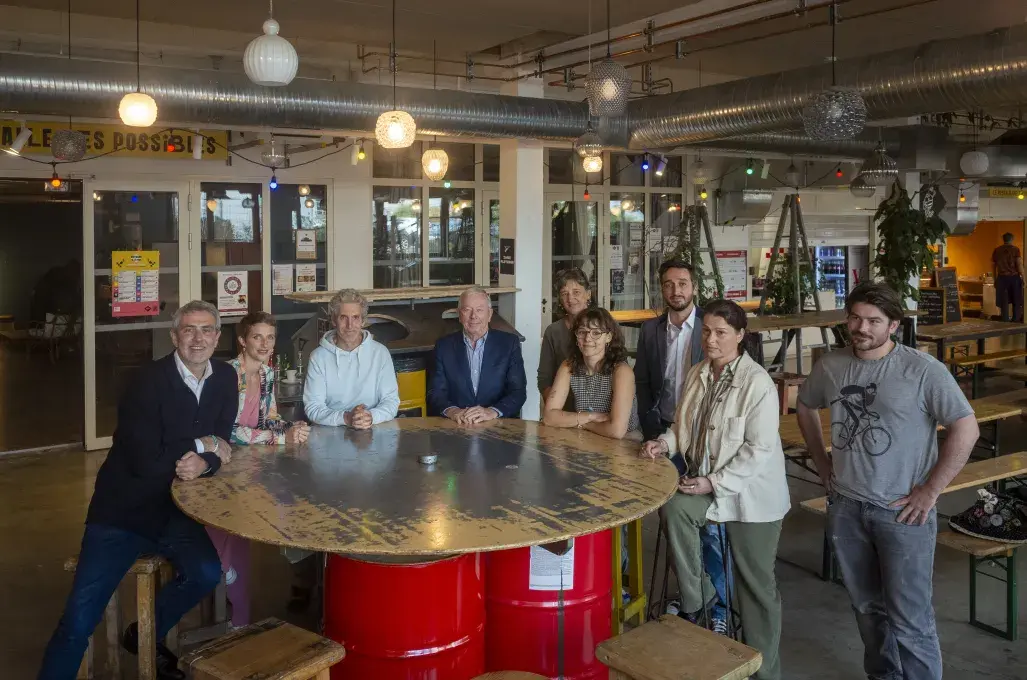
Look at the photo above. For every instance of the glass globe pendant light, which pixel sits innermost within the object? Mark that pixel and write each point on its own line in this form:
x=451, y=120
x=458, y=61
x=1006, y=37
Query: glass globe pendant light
x=608, y=83
x=395, y=129
x=137, y=109
x=592, y=164
x=68, y=145
x=880, y=169
x=837, y=112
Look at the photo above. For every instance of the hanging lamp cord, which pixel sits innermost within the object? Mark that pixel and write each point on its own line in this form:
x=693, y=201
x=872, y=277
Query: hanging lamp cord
x=608, y=20
x=834, y=31
x=395, y=60
x=138, y=78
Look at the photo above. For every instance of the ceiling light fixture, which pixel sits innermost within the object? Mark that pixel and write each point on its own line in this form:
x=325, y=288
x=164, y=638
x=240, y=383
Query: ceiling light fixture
x=361, y=154
x=608, y=83
x=416, y=206
x=276, y=156
x=627, y=205
x=838, y=172
x=592, y=164
x=837, y=112
x=273, y=184
x=880, y=169
x=270, y=59
x=702, y=194
x=749, y=166
x=435, y=161
x=55, y=180
x=68, y=145
x=309, y=203
x=645, y=162
x=24, y=135
x=589, y=144
x=586, y=195
x=212, y=204
x=699, y=174
x=792, y=176
x=96, y=196
x=860, y=189
x=446, y=184
x=197, y=147
x=137, y=109
x=395, y=129
x=661, y=165
x=303, y=189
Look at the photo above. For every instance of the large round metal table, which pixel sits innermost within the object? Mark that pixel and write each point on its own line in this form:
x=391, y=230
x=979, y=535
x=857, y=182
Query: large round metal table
x=499, y=485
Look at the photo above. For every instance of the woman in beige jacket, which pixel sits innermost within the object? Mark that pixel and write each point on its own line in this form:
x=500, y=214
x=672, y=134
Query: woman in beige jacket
x=725, y=442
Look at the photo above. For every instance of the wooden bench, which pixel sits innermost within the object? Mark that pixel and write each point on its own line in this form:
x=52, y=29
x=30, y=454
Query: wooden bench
x=981, y=551
x=975, y=362
x=670, y=648
x=269, y=650
x=146, y=570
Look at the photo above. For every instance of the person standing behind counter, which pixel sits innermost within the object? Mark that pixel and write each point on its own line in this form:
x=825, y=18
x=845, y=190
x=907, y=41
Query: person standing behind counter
x=557, y=342
x=350, y=377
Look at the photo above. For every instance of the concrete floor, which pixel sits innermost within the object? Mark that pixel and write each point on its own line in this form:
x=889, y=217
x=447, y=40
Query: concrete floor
x=43, y=500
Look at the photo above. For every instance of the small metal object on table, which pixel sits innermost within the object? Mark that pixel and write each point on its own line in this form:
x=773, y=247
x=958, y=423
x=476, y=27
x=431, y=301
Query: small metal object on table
x=498, y=485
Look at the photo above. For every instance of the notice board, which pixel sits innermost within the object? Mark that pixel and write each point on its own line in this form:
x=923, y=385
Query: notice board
x=931, y=306
x=945, y=277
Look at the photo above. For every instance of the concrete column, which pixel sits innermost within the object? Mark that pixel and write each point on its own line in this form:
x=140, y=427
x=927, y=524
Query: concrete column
x=521, y=218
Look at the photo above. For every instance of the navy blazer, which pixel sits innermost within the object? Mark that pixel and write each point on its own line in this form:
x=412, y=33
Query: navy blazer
x=502, y=384
x=650, y=363
x=158, y=421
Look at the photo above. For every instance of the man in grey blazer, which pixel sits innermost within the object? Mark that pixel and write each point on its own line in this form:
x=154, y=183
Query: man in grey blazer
x=668, y=346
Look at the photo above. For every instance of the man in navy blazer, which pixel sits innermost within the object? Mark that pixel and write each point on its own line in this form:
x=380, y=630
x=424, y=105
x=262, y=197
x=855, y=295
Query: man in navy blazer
x=174, y=421
x=479, y=372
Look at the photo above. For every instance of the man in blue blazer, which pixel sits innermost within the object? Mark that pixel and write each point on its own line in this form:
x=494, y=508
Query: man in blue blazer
x=479, y=372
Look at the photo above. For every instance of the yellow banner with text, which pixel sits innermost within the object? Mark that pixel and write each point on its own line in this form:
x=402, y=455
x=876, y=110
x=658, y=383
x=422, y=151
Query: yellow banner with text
x=120, y=140
x=1004, y=192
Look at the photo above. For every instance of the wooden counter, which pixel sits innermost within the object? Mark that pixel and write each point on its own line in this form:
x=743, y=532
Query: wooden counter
x=382, y=294
x=502, y=484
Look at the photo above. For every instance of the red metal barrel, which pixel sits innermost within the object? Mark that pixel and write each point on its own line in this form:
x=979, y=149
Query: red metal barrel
x=522, y=621
x=404, y=620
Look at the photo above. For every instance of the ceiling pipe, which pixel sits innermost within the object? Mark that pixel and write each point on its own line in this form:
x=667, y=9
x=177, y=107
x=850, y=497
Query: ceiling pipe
x=973, y=72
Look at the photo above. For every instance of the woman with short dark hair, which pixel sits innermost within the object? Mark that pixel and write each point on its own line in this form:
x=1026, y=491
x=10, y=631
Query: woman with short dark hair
x=726, y=445
x=597, y=376
x=575, y=293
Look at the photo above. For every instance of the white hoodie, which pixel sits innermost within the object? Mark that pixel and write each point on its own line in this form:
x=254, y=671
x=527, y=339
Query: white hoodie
x=338, y=381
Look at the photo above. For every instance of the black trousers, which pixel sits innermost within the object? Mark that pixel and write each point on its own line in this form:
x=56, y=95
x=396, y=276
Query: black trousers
x=1009, y=290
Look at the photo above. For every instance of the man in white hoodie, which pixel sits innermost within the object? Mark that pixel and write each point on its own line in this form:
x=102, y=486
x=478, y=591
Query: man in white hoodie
x=350, y=377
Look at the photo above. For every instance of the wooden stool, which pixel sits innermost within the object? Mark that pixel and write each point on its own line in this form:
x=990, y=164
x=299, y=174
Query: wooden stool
x=670, y=647
x=784, y=382
x=635, y=607
x=269, y=650
x=146, y=570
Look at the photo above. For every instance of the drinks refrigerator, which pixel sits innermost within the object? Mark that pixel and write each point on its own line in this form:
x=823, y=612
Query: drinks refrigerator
x=840, y=268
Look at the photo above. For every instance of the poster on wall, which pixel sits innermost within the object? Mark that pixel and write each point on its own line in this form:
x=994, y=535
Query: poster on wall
x=306, y=244
x=233, y=297
x=616, y=256
x=281, y=279
x=506, y=256
x=732, y=264
x=135, y=280
x=306, y=278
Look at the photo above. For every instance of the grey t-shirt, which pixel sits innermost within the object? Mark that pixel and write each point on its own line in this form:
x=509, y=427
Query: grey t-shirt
x=884, y=418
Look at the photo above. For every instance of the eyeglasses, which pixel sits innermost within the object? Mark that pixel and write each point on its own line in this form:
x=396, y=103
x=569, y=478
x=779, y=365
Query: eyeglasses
x=591, y=333
x=205, y=331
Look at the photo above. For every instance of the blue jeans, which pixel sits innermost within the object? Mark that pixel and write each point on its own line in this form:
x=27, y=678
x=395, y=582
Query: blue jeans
x=713, y=537
x=888, y=568
x=106, y=556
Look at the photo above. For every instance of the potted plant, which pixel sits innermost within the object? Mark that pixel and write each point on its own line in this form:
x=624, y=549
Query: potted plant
x=907, y=238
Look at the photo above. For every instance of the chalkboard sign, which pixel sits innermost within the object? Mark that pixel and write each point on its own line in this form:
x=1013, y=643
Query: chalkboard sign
x=931, y=306
x=945, y=277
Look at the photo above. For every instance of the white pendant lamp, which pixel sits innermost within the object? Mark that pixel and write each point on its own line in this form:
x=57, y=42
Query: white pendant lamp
x=435, y=161
x=592, y=164
x=137, y=109
x=395, y=129
x=270, y=59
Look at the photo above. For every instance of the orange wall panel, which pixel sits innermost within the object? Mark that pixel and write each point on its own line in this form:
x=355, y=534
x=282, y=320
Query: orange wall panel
x=971, y=254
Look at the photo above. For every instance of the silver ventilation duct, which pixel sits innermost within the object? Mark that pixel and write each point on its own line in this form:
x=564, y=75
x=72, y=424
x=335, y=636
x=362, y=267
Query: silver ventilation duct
x=795, y=144
x=977, y=71
x=84, y=89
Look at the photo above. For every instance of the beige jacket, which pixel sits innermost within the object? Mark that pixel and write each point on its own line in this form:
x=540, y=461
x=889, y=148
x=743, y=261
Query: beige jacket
x=746, y=459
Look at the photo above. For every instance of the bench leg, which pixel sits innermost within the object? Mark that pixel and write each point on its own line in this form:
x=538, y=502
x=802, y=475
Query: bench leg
x=147, y=655
x=1008, y=564
x=112, y=620
x=975, y=382
x=326, y=674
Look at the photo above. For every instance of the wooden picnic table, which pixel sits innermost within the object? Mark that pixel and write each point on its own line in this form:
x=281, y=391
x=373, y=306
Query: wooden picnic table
x=970, y=329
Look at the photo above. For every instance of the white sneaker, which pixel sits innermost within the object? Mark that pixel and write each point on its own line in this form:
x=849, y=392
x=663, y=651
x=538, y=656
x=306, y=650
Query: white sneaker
x=673, y=608
x=719, y=626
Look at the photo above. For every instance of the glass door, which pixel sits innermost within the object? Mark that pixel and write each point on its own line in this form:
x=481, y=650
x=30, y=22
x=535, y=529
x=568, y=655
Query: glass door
x=135, y=279
x=488, y=254
x=574, y=242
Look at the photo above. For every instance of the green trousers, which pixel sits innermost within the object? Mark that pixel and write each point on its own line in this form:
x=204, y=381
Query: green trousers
x=754, y=552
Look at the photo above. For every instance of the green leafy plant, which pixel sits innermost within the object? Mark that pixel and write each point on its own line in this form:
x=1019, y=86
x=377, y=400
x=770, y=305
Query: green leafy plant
x=687, y=249
x=780, y=285
x=905, y=238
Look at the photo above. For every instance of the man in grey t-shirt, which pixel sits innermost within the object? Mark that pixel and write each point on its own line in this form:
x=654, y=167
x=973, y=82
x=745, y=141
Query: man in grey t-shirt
x=884, y=476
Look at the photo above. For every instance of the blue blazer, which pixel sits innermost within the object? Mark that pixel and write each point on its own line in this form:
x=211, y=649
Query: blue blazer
x=158, y=419
x=502, y=384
